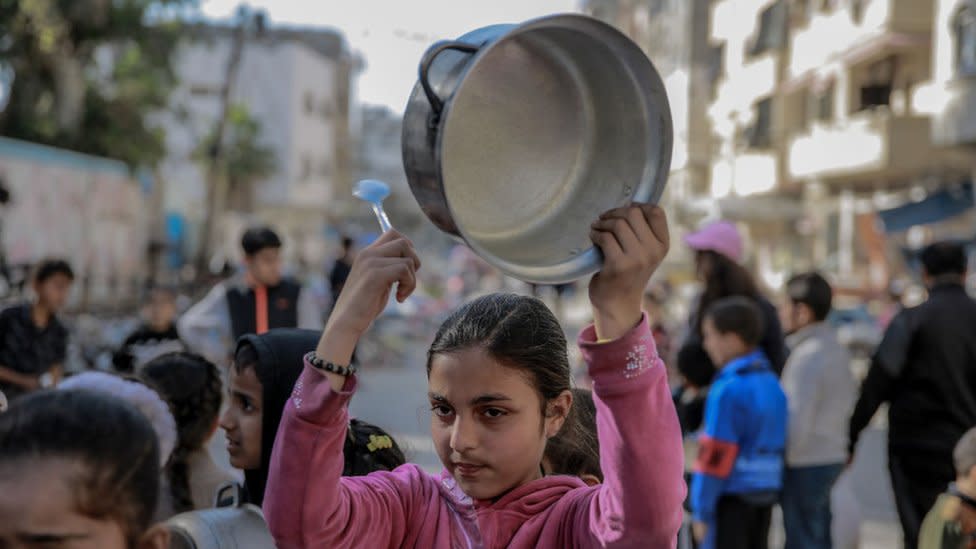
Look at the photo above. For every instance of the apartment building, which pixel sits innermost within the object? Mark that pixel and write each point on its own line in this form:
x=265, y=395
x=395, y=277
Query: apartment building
x=299, y=84
x=817, y=133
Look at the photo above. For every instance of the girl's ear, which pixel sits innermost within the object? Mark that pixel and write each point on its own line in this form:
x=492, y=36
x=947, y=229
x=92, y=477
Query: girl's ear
x=590, y=480
x=556, y=411
x=156, y=538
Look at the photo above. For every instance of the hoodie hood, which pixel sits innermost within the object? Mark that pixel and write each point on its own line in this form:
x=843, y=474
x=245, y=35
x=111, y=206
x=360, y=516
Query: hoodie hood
x=280, y=355
x=500, y=519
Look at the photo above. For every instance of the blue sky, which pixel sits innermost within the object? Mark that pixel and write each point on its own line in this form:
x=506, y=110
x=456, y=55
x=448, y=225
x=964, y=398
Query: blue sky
x=392, y=34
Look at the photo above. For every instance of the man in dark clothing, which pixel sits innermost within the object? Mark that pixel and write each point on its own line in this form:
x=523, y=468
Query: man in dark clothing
x=925, y=367
x=260, y=300
x=341, y=269
x=33, y=342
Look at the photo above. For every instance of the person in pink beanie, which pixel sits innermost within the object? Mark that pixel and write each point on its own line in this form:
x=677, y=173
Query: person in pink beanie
x=499, y=388
x=719, y=251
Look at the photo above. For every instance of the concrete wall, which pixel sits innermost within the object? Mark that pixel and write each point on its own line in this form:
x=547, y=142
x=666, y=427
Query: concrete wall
x=85, y=209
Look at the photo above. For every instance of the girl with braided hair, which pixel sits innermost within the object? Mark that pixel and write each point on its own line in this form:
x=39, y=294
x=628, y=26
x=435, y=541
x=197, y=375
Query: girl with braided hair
x=193, y=388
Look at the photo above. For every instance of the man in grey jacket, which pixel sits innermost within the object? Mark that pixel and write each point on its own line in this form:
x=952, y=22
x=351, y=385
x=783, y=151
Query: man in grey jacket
x=820, y=391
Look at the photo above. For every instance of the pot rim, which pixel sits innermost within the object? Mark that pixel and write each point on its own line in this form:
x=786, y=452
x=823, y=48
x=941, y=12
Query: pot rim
x=649, y=189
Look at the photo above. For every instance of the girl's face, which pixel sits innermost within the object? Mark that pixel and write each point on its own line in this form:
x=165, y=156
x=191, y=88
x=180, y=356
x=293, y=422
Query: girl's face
x=242, y=420
x=37, y=510
x=487, y=422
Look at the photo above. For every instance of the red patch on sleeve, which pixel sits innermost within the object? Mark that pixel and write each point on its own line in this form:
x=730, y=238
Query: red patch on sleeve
x=715, y=457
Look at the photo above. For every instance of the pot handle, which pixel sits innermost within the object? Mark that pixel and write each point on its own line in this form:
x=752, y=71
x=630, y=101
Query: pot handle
x=436, y=103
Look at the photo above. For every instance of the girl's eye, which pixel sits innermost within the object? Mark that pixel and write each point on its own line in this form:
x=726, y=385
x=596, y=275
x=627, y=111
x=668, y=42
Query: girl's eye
x=247, y=406
x=494, y=413
x=440, y=410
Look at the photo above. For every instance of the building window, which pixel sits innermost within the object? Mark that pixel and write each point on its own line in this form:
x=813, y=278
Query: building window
x=760, y=134
x=876, y=92
x=773, y=29
x=964, y=30
x=827, y=6
x=203, y=90
x=822, y=105
x=857, y=10
x=716, y=66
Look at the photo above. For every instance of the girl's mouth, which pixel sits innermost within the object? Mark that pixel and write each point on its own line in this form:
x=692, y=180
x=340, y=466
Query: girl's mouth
x=232, y=446
x=468, y=469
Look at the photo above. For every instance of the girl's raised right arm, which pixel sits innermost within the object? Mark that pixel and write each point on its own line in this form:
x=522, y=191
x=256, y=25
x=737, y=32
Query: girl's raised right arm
x=307, y=502
x=639, y=503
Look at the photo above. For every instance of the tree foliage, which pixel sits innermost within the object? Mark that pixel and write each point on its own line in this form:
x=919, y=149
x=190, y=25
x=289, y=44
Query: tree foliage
x=89, y=74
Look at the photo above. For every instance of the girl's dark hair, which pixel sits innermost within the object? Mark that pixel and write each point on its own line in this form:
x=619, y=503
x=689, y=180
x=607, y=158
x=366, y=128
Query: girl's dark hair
x=518, y=331
x=576, y=449
x=192, y=387
x=245, y=357
x=111, y=440
x=369, y=448
x=726, y=278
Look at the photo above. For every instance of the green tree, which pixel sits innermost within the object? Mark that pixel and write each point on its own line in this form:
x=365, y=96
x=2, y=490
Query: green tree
x=88, y=74
x=244, y=160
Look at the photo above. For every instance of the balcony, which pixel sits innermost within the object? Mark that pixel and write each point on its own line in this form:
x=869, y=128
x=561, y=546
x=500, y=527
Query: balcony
x=732, y=20
x=882, y=25
x=744, y=174
x=869, y=145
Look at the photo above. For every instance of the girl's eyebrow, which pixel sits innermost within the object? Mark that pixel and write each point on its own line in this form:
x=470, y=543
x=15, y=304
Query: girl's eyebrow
x=485, y=399
x=482, y=399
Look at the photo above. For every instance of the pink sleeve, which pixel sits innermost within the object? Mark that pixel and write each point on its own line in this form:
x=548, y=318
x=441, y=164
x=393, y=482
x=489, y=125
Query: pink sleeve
x=639, y=503
x=308, y=504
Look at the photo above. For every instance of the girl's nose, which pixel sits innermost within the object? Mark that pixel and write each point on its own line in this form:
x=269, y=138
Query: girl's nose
x=463, y=437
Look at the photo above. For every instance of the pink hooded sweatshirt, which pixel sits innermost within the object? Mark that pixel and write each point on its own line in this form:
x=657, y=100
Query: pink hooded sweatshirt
x=308, y=504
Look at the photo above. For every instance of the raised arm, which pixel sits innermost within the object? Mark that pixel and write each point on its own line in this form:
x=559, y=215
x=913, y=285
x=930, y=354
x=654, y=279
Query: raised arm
x=307, y=502
x=639, y=503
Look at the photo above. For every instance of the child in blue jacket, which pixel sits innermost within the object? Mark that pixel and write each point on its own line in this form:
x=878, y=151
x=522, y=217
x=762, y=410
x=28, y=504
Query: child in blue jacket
x=738, y=474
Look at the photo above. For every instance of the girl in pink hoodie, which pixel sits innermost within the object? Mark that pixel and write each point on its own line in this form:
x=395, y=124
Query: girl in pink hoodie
x=499, y=387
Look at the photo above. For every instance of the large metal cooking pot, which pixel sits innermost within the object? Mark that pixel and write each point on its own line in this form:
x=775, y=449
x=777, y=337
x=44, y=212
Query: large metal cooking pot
x=517, y=137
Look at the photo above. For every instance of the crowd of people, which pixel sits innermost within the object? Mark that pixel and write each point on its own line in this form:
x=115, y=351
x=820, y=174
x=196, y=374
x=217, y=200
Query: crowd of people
x=758, y=385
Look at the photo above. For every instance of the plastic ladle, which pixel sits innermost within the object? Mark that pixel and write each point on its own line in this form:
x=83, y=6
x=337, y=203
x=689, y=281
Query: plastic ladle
x=374, y=192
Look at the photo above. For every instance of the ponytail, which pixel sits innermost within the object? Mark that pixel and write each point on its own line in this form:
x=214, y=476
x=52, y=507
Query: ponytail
x=193, y=387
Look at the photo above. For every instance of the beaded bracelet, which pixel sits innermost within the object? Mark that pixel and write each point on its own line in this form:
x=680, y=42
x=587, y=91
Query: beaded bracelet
x=319, y=364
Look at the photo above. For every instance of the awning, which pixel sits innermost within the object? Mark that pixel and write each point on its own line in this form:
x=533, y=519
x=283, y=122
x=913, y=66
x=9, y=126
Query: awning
x=936, y=207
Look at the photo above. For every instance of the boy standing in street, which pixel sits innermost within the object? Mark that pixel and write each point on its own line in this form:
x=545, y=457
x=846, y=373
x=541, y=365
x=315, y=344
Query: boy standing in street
x=738, y=474
x=33, y=342
x=821, y=391
x=261, y=299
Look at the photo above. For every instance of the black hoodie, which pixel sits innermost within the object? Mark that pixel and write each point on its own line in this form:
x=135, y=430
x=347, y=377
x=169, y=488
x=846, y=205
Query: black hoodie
x=279, y=364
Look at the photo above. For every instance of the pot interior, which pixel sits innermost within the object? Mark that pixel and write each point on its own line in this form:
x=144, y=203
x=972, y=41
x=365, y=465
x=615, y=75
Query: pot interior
x=549, y=128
